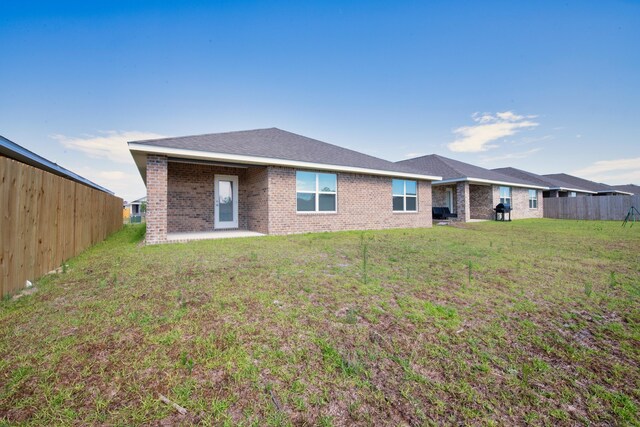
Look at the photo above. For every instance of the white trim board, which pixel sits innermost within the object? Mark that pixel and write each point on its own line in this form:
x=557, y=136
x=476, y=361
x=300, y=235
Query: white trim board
x=571, y=189
x=264, y=161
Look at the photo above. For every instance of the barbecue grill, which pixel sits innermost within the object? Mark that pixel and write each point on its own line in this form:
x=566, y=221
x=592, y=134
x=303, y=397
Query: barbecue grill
x=502, y=209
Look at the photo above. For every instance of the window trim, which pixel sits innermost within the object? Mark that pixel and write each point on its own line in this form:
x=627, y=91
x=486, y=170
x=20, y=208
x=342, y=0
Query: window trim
x=533, y=199
x=404, y=196
x=317, y=193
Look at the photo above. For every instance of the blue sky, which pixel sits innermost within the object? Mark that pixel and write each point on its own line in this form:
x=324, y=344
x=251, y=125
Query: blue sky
x=544, y=86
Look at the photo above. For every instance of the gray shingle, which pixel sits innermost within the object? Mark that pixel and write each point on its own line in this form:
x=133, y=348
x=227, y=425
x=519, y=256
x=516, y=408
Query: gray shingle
x=434, y=164
x=578, y=182
x=278, y=144
x=541, y=179
x=629, y=188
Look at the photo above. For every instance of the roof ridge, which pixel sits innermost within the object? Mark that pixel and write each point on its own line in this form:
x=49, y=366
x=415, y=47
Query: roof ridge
x=446, y=160
x=206, y=134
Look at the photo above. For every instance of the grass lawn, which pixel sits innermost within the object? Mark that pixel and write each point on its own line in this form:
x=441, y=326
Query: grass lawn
x=530, y=322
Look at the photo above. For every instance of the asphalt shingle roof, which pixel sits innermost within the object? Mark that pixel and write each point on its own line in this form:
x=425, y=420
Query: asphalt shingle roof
x=577, y=182
x=275, y=143
x=541, y=179
x=434, y=164
x=629, y=188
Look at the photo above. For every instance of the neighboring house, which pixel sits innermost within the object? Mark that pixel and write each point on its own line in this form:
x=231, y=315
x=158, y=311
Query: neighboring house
x=16, y=152
x=598, y=188
x=557, y=187
x=628, y=188
x=136, y=208
x=274, y=182
x=472, y=192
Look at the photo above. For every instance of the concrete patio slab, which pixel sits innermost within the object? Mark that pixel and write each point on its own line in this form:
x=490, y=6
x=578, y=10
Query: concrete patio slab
x=208, y=235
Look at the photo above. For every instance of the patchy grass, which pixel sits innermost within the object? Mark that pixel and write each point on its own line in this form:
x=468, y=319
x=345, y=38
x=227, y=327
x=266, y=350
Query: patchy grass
x=534, y=321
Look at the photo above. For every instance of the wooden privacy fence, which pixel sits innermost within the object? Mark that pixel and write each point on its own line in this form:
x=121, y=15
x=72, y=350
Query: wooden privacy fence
x=595, y=207
x=47, y=219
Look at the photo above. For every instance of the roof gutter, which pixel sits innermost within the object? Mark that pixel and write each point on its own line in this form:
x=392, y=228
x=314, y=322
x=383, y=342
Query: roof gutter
x=488, y=181
x=264, y=161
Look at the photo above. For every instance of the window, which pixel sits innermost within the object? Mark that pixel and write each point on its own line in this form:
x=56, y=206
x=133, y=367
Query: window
x=505, y=195
x=572, y=194
x=405, y=195
x=533, y=199
x=316, y=192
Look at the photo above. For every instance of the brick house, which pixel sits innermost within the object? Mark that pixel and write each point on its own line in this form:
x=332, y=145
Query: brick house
x=556, y=186
x=630, y=189
x=472, y=192
x=271, y=181
x=596, y=188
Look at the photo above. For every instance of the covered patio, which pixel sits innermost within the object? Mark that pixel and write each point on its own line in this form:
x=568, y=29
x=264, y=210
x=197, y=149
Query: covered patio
x=469, y=201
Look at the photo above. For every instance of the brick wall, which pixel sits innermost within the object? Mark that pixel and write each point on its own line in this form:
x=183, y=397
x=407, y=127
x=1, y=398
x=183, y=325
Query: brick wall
x=481, y=201
x=156, y=199
x=364, y=202
x=520, y=204
x=439, y=196
x=181, y=199
x=191, y=195
x=463, y=204
x=256, y=185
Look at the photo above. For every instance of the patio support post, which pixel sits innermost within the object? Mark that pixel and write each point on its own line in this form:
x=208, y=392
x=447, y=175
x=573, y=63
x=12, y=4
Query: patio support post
x=463, y=203
x=157, y=171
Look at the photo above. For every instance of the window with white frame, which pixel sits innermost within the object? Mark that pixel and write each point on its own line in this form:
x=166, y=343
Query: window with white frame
x=505, y=195
x=316, y=192
x=533, y=199
x=405, y=195
x=572, y=194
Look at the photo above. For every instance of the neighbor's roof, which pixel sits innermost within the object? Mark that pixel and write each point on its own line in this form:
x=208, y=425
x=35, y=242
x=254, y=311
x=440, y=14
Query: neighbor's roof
x=457, y=171
x=269, y=147
x=597, y=187
x=137, y=201
x=629, y=188
x=14, y=151
x=552, y=183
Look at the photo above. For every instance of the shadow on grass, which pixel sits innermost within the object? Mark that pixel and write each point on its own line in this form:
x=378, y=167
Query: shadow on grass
x=137, y=233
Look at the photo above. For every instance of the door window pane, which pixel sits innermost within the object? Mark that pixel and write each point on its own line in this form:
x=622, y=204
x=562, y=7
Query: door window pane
x=305, y=181
x=225, y=200
x=306, y=202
